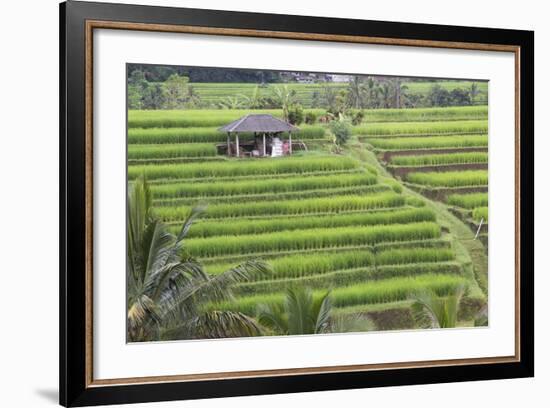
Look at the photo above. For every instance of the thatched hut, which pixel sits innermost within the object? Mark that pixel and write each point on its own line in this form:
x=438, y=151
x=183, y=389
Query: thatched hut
x=267, y=131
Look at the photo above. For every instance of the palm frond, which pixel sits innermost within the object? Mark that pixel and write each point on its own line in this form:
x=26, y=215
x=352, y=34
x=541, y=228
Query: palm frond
x=322, y=308
x=298, y=302
x=142, y=318
x=351, y=323
x=431, y=311
x=215, y=324
x=273, y=316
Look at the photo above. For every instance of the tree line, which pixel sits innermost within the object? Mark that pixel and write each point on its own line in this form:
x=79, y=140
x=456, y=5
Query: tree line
x=360, y=92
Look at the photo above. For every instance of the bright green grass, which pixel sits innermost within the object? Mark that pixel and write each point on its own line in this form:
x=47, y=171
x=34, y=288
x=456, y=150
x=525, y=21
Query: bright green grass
x=245, y=226
x=469, y=201
x=347, y=277
x=309, y=239
x=229, y=178
x=247, y=187
x=450, y=178
x=336, y=278
x=276, y=197
x=165, y=151
x=291, y=164
x=429, y=128
x=426, y=114
x=438, y=159
x=381, y=291
x=220, y=117
x=161, y=135
x=289, y=207
x=414, y=243
x=297, y=266
x=408, y=143
x=413, y=255
x=479, y=213
x=194, y=117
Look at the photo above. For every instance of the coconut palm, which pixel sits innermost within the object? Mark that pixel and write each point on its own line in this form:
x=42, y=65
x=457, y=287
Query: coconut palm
x=473, y=91
x=356, y=92
x=349, y=323
x=399, y=89
x=300, y=313
x=169, y=294
x=230, y=102
x=254, y=101
x=432, y=311
x=284, y=98
x=386, y=95
x=372, y=90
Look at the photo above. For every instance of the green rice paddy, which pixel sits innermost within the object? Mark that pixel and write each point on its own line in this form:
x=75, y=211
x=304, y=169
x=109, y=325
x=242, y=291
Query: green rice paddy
x=323, y=220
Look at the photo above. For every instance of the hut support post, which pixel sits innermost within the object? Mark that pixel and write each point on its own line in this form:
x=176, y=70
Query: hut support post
x=263, y=144
x=237, y=144
x=228, y=144
x=290, y=142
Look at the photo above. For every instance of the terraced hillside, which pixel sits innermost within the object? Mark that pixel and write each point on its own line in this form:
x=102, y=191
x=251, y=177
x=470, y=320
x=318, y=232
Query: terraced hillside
x=321, y=219
x=445, y=161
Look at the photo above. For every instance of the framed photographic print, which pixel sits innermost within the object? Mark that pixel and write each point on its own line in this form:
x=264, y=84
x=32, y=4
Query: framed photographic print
x=256, y=203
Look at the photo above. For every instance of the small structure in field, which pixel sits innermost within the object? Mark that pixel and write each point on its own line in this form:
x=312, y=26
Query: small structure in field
x=267, y=131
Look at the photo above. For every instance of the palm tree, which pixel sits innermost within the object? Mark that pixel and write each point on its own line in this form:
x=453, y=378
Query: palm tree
x=399, y=90
x=300, y=313
x=254, y=100
x=285, y=98
x=372, y=90
x=348, y=323
x=356, y=92
x=169, y=294
x=432, y=311
x=231, y=103
x=386, y=95
x=329, y=96
x=473, y=91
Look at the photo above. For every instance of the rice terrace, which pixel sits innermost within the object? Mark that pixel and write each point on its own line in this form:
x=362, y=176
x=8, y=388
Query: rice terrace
x=284, y=203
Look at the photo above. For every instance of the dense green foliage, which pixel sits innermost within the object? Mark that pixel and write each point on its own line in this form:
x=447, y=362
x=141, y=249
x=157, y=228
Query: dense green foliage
x=162, y=87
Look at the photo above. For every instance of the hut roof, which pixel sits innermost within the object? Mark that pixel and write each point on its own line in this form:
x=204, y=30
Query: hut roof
x=259, y=123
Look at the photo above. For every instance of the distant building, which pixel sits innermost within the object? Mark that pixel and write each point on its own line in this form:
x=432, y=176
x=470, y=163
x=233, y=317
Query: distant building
x=305, y=79
x=340, y=78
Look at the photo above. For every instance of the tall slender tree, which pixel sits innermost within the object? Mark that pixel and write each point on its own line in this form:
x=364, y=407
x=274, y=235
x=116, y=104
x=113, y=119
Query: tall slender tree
x=284, y=97
x=356, y=92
